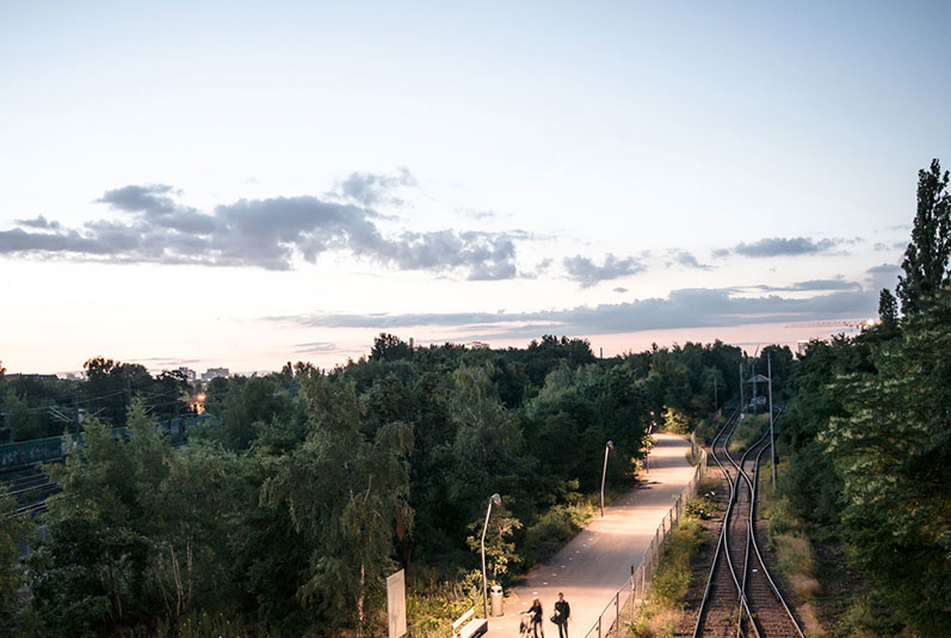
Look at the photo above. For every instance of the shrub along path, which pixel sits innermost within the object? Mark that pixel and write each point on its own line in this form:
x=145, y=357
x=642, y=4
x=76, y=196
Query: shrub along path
x=594, y=564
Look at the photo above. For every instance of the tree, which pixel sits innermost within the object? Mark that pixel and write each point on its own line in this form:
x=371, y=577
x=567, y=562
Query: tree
x=347, y=498
x=110, y=386
x=97, y=568
x=925, y=265
x=892, y=449
x=887, y=308
x=675, y=421
x=389, y=347
x=12, y=530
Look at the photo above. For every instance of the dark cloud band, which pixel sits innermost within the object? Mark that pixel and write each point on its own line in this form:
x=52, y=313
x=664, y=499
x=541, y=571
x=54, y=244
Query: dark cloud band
x=266, y=233
x=688, y=308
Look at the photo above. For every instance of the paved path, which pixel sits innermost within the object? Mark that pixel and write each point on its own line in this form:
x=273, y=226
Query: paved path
x=594, y=565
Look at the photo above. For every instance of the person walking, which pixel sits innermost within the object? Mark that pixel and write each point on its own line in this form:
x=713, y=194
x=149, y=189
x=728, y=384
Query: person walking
x=536, y=613
x=562, y=612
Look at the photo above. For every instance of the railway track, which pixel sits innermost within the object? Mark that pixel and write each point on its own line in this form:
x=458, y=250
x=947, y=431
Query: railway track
x=30, y=487
x=740, y=598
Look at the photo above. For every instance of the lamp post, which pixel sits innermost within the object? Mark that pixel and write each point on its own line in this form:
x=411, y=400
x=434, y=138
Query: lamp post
x=650, y=434
x=604, y=473
x=495, y=498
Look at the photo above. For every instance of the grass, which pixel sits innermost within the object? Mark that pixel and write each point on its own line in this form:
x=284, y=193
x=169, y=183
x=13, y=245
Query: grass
x=663, y=612
x=795, y=557
x=748, y=431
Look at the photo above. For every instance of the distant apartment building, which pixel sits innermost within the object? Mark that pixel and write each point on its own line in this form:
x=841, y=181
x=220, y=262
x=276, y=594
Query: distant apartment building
x=214, y=373
x=190, y=374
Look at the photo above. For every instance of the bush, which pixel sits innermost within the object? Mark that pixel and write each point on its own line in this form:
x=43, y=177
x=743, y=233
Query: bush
x=672, y=579
x=554, y=528
x=703, y=504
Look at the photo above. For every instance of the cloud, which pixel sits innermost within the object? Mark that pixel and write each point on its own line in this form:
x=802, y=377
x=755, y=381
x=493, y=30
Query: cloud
x=883, y=276
x=584, y=270
x=166, y=363
x=478, y=215
x=620, y=290
x=152, y=199
x=267, y=233
x=687, y=260
x=814, y=285
x=38, y=222
x=779, y=247
x=315, y=347
x=371, y=189
x=688, y=308
x=720, y=253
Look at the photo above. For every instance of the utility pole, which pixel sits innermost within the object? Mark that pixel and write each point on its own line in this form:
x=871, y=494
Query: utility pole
x=753, y=379
x=772, y=437
x=741, y=390
x=715, y=402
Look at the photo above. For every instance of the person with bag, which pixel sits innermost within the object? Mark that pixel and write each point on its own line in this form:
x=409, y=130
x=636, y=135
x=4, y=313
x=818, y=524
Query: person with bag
x=562, y=612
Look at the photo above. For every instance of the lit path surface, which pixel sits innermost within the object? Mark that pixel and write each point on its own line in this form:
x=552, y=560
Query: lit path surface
x=594, y=565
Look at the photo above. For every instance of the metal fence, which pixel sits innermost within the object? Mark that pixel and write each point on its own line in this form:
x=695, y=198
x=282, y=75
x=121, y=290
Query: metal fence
x=625, y=602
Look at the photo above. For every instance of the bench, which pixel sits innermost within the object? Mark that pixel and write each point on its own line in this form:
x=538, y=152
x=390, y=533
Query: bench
x=468, y=626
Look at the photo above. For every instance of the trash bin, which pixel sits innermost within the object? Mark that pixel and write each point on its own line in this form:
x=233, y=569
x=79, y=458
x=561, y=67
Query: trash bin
x=496, y=600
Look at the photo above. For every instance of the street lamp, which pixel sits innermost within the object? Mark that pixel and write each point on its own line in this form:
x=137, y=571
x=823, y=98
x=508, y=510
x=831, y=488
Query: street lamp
x=604, y=473
x=495, y=498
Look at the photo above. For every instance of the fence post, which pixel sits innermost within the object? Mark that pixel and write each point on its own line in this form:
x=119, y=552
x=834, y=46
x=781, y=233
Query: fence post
x=617, y=609
x=633, y=591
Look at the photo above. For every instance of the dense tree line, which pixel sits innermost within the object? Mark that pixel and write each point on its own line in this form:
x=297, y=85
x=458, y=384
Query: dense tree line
x=35, y=406
x=287, y=511
x=868, y=433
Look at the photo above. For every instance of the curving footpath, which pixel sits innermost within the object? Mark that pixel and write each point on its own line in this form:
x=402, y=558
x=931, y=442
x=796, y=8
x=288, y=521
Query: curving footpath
x=596, y=562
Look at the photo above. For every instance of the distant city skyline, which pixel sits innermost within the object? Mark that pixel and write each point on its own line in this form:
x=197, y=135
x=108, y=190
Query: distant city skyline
x=238, y=186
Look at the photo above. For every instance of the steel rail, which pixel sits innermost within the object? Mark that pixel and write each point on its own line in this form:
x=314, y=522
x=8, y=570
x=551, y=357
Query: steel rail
x=725, y=433
x=755, y=544
x=741, y=585
x=753, y=556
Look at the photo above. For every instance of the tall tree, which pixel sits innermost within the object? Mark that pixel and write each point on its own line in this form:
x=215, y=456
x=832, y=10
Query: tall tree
x=926, y=257
x=887, y=308
x=892, y=449
x=347, y=498
x=389, y=347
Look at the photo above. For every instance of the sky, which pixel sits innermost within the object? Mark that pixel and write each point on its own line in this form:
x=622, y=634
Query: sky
x=242, y=184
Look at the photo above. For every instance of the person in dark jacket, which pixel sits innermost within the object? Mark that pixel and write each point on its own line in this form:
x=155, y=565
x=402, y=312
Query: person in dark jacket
x=562, y=612
x=535, y=611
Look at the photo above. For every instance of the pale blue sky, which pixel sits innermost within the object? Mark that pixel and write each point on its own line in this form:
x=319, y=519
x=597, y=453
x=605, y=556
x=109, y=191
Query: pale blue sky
x=451, y=171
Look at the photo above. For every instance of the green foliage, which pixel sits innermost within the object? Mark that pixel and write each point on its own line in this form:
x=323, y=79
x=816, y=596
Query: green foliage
x=500, y=552
x=672, y=579
x=345, y=496
x=664, y=612
x=892, y=449
x=887, y=308
x=703, y=505
x=554, y=528
x=389, y=347
x=925, y=267
x=283, y=516
x=13, y=529
x=675, y=421
x=749, y=430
